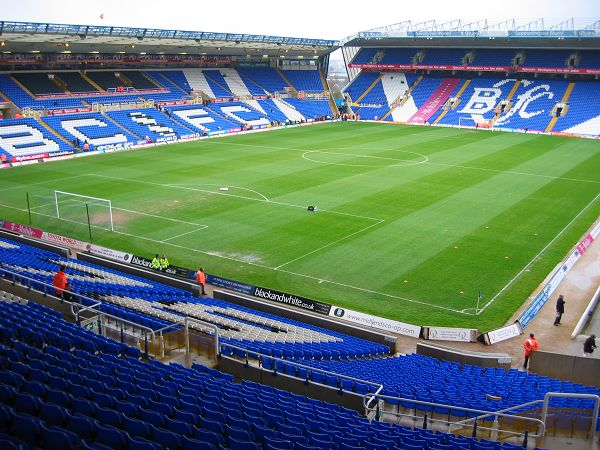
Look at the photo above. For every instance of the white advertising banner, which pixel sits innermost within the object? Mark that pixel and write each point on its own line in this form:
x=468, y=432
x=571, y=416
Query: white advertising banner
x=67, y=241
x=504, y=333
x=380, y=323
x=452, y=334
x=110, y=253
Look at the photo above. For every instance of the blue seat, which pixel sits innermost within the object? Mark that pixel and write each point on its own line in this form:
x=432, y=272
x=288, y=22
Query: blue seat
x=209, y=436
x=135, y=427
x=194, y=444
x=53, y=414
x=26, y=403
x=152, y=417
x=109, y=417
x=83, y=406
x=79, y=391
x=111, y=437
x=279, y=444
x=236, y=433
x=34, y=388
x=139, y=443
x=56, y=438
x=26, y=428
x=102, y=399
x=212, y=425
x=180, y=428
x=58, y=397
x=12, y=379
x=82, y=426
x=166, y=438
x=234, y=444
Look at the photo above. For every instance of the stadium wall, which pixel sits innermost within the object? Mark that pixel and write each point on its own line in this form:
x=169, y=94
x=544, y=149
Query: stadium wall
x=576, y=369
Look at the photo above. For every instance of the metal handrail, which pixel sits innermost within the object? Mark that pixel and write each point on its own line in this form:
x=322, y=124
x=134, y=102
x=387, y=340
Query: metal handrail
x=594, y=397
x=186, y=323
x=460, y=408
x=72, y=304
x=304, y=366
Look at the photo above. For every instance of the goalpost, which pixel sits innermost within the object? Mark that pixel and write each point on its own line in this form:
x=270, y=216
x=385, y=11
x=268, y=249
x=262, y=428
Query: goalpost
x=466, y=122
x=98, y=211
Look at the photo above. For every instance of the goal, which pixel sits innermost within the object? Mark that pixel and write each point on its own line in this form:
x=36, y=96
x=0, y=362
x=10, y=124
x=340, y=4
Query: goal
x=84, y=209
x=467, y=122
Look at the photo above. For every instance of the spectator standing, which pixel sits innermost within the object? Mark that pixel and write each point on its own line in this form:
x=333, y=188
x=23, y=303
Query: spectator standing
x=155, y=263
x=589, y=345
x=201, y=279
x=163, y=262
x=67, y=295
x=59, y=281
x=560, y=309
x=530, y=345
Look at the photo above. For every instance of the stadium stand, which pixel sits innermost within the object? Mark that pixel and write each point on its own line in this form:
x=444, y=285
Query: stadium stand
x=240, y=112
x=22, y=99
x=65, y=387
x=38, y=83
x=272, y=110
x=582, y=116
x=217, y=83
x=171, y=79
x=94, y=128
x=360, y=84
x=75, y=82
x=419, y=377
x=305, y=80
x=106, y=79
x=398, y=56
x=446, y=56
x=310, y=109
x=256, y=331
x=546, y=58
x=139, y=80
x=267, y=78
x=149, y=122
x=201, y=119
x=22, y=137
x=493, y=57
x=365, y=56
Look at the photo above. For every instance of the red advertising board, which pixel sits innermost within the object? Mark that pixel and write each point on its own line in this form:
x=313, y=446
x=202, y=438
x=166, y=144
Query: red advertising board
x=475, y=68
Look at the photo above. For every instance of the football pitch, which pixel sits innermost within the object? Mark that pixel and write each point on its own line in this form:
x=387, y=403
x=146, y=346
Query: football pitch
x=412, y=223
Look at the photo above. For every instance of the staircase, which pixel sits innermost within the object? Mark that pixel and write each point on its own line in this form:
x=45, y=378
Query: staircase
x=507, y=99
x=334, y=110
x=255, y=105
x=207, y=75
x=60, y=83
x=294, y=91
x=172, y=83
x=371, y=86
x=458, y=94
x=54, y=132
x=121, y=126
x=154, y=82
x=22, y=86
x=291, y=113
x=435, y=101
x=395, y=86
x=563, y=100
x=198, y=82
x=398, y=113
x=92, y=82
x=124, y=80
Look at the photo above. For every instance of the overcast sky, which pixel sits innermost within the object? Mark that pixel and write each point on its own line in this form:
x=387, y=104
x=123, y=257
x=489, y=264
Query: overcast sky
x=296, y=18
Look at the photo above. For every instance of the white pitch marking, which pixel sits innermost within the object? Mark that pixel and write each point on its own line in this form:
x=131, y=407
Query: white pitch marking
x=327, y=245
x=507, y=285
x=42, y=182
x=429, y=162
x=409, y=162
x=356, y=288
x=175, y=186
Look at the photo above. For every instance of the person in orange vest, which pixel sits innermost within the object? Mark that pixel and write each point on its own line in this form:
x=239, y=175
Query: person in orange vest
x=530, y=345
x=201, y=279
x=60, y=281
x=2, y=158
x=86, y=146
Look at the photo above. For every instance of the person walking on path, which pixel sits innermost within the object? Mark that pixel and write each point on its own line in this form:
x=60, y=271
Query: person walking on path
x=201, y=279
x=530, y=345
x=560, y=309
x=59, y=281
x=589, y=345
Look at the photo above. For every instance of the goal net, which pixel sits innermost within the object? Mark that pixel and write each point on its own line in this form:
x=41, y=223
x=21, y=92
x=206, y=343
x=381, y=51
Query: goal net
x=84, y=209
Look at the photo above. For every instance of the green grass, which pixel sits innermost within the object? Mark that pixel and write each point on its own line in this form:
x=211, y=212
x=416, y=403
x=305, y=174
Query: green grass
x=412, y=223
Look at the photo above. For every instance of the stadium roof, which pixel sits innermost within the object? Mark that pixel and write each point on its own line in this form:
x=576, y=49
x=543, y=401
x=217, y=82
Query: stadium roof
x=544, y=33
x=56, y=38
